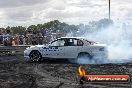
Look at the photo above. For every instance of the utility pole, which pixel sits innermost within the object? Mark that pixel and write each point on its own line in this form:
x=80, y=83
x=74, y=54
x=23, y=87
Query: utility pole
x=109, y=9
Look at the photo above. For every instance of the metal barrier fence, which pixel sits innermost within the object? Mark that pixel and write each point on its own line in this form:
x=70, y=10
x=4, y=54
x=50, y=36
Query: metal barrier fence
x=12, y=50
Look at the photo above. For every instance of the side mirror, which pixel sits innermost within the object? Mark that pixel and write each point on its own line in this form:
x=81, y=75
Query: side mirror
x=49, y=45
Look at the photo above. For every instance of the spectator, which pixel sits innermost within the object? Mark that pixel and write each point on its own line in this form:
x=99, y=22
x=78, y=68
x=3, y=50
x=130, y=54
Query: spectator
x=13, y=40
x=21, y=39
x=7, y=40
x=26, y=39
x=16, y=39
x=34, y=41
x=1, y=39
x=40, y=39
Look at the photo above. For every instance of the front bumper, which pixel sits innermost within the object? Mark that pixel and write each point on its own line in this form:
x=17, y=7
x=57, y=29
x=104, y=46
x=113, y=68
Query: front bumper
x=26, y=55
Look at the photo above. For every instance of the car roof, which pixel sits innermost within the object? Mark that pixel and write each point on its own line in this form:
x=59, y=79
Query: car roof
x=73, y=37
x=85, y=41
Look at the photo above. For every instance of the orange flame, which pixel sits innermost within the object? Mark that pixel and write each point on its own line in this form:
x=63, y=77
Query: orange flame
x=81, y=71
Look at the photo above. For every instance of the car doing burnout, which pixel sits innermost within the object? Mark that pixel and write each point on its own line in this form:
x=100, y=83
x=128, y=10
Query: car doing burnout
x=67, y=48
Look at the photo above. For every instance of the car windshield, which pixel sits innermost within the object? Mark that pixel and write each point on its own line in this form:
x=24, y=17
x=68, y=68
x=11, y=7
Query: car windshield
x=90, y=42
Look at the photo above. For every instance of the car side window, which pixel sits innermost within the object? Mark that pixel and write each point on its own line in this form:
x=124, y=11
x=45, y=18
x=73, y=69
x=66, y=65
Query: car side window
x=69, y=42
x=79, y=43
x=73, y=42
x=59, y=42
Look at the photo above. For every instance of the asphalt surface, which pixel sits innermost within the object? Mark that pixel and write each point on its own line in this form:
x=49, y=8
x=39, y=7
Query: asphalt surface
x=17, y=73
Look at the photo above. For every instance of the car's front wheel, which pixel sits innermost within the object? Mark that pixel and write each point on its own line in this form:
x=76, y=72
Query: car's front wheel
x=35, y=56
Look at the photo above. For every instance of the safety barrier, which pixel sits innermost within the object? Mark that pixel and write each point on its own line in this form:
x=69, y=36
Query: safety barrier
x=12, y=50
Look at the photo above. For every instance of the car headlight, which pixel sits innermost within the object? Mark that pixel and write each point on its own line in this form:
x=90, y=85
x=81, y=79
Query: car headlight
x=27, y=47
x=32, y=46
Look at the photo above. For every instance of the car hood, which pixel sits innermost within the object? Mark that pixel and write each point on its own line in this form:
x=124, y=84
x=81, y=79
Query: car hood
x=41, y=46
x=100, y=45
x=36, y=46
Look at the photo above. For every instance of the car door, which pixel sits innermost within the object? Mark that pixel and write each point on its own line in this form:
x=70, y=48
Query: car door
x=73, y=47
x=57, y=49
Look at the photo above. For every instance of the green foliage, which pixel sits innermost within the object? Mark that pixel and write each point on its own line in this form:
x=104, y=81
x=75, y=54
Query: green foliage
x=56, y=26
x=103, y=23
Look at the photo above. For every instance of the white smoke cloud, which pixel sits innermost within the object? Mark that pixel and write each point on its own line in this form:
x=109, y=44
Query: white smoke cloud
x=118, y=40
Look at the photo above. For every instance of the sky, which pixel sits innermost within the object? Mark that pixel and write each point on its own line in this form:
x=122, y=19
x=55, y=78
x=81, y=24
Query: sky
x=28, y=12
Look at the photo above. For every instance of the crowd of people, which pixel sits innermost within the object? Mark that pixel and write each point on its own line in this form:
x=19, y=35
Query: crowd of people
x=28, y=38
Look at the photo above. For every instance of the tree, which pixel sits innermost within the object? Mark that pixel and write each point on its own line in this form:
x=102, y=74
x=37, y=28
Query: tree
x=103, y=23
x=31, y=28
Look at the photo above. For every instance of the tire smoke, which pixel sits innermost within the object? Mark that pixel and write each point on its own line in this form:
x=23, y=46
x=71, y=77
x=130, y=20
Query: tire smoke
x=118, y=40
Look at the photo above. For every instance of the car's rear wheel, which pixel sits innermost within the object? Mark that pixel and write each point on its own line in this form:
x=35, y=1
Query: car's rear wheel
x=35, y=56
x=84, y=57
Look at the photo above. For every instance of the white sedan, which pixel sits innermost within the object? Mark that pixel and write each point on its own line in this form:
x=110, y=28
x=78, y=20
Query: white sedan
x=66, y=48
